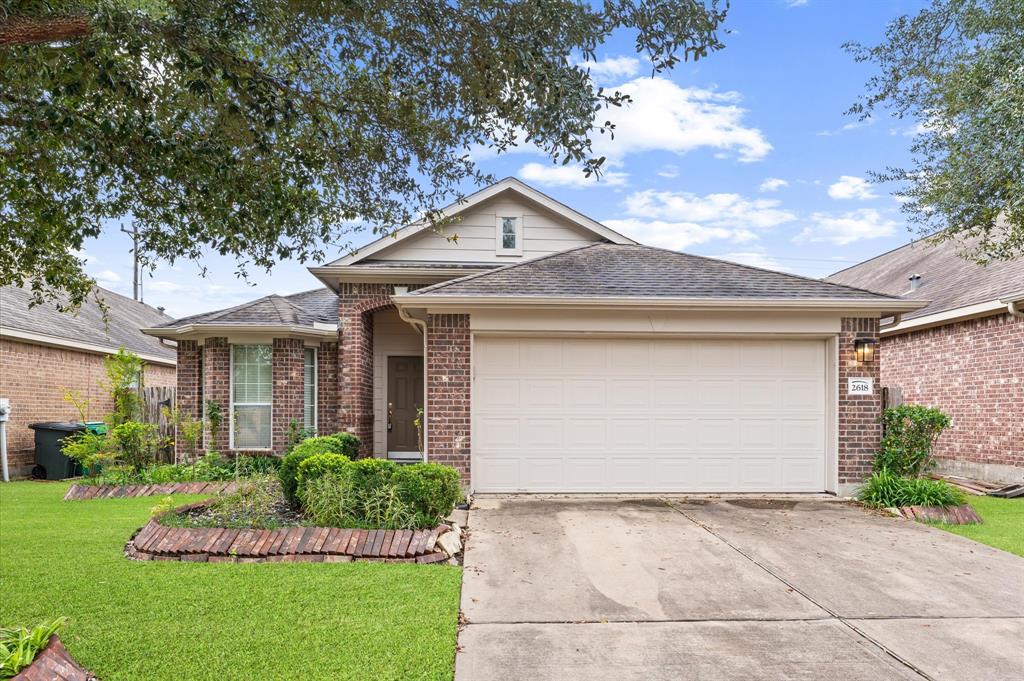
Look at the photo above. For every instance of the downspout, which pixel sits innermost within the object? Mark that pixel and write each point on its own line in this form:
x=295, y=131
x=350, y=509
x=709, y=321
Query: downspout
x=1013, y=307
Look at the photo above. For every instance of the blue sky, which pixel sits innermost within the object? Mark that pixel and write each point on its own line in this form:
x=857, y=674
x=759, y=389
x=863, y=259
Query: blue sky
x=745, y=155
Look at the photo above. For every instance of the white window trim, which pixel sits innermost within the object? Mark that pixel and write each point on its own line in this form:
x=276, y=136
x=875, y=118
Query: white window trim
x=231, y=401
x=498, y=234
x=316, y=389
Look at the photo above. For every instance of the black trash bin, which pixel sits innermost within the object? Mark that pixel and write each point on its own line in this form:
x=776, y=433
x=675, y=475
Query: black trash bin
x=51, y=464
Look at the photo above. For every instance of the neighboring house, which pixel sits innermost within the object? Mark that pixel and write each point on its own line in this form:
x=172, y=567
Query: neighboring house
x=44, y=352
x=552, y=354
x=963, y=352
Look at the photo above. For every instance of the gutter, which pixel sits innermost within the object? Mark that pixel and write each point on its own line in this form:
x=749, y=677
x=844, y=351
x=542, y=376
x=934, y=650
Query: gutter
x=1013, y=304
x=66, y=343
x=228, y=329
x=654, y=303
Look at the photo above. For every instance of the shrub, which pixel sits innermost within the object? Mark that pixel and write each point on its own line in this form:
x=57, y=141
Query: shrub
x=910, y=432
x=885, y=489
x=430, y=489
x=256, y=464
x=319, y=465
x=344, y=444
x=136, y=443
x=19, y=646
x=370, y=474
x=125, y=372
x=330, y=501
x=90, y=450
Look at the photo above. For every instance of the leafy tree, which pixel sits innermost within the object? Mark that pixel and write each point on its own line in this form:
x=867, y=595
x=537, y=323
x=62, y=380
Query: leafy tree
x=124, y=371
x=263, y=129
x=958, y=67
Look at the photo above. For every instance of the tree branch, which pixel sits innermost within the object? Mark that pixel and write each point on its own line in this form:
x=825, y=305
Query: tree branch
x=32, y=31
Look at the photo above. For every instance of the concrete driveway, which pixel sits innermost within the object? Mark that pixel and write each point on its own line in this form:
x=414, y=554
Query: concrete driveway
x=681, y=589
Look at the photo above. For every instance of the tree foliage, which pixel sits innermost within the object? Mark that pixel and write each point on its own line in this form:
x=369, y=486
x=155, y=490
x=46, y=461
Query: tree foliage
x=265, y=129
x=958, y=68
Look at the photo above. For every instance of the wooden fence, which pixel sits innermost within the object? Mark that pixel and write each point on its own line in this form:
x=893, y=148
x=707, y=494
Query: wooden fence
x=154, y=401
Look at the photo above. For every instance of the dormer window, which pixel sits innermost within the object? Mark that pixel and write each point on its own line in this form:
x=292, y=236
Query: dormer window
x=509, y=236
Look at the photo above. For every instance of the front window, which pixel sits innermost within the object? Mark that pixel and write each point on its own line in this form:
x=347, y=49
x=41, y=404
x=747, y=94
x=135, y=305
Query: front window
x=251, y=394
x=309, y=391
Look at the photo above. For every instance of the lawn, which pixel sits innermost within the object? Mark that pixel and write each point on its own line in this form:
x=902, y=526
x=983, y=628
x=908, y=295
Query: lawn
x=1002, y=526
x=168, y=620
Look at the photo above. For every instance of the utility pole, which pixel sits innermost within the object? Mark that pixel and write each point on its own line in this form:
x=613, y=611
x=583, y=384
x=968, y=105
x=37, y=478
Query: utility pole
x=136, y=285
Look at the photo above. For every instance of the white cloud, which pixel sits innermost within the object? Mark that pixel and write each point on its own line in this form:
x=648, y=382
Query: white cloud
x=850, y=187
x=852, y=125
x=162, y=286
x=732, y=211
x=796, y=3
x=666, y=117
x=772, y=184
x=672, y=235
x=107, y=278
x=846, y=228
x=670, y=171
x=569, y=176
x=612, y=67
x=754, y=259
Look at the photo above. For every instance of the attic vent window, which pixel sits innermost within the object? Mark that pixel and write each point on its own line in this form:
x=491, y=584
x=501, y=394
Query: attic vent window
x=915, y=281
x=509, y=235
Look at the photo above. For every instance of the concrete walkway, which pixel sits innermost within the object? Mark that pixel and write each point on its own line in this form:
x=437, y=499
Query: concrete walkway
x=680, y=589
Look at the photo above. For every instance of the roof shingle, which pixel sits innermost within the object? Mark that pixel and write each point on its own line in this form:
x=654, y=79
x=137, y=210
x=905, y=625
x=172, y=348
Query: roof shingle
x=299, y=309
x=620, y=270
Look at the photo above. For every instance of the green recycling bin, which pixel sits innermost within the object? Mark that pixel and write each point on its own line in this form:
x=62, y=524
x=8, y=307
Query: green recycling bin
x=51, y=464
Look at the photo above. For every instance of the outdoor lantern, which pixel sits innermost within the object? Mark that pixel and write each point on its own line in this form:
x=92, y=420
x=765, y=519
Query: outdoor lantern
x=864, y=348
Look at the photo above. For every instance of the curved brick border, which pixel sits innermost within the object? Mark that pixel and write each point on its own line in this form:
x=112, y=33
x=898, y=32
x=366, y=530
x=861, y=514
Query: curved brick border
x=288, y=544
x=952, y=515
x=80, y=491
x=53, y=663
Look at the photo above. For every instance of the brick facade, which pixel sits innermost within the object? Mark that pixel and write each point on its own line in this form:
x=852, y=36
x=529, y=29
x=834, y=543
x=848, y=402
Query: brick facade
x=289, y=382
x=217, y=388
x=973, y=371
x=449, y=378
x=327, y=389
x=33, y=377
x=859, y=427
x=356, y=305
x=189, y=390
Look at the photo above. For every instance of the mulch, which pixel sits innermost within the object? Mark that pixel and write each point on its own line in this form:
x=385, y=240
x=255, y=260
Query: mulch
x=53, y=663
x=78, y=491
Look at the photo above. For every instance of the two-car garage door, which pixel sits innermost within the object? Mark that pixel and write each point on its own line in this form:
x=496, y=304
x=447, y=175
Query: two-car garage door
x=645, y=415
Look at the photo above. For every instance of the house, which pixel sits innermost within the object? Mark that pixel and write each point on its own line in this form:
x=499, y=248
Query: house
x=963, y=352
x=44, y=352
x=552, y=354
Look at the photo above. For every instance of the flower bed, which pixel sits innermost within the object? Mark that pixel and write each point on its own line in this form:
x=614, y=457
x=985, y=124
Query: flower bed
x=155, y=541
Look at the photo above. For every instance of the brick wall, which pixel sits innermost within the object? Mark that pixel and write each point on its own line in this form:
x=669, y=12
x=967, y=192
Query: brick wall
x=859, y=428
x=33, y=377
x=974, y=371
x=356, y=305
x=289, y=381
x=448, y=391
x=327, y=389
x=217, y=387
x=188, y=395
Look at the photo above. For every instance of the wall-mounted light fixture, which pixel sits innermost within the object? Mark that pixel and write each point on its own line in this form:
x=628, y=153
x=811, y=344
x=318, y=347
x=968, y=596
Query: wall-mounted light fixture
x=864, y=349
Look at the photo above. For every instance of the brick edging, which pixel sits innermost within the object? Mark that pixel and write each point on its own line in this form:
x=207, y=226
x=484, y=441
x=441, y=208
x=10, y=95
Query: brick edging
x=951, y=515
x=54, y=662
x=289, y=544
x=79, y=491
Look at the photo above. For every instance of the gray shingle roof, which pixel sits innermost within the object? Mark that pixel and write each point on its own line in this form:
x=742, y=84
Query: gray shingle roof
x=947, y=280
x=126, y=317
x=299, y=309
x=619, y=270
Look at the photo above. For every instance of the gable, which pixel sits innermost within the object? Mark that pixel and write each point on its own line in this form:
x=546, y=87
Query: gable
x=473, y=238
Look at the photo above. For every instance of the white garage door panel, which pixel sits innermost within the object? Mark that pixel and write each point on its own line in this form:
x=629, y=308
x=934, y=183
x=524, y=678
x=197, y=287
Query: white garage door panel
x=602, y=415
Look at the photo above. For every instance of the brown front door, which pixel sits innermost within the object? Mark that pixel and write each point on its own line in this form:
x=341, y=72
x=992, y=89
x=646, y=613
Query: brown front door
x=405, y=397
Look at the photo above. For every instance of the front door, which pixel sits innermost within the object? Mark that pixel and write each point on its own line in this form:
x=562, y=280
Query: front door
x=405, y=398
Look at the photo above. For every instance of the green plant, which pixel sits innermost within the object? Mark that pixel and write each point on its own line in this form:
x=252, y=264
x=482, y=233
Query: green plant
x=886, y=489
x=165, y=505
x=370, y=474
x=19, y=646
x=80, y=402
x=124, y=381
x=418, y=423
x=295, y=435
x=344, y=444
x=331, y=501
x=909, y=433
x=187, y=429
x=431, y=490
x=257, y=504
x=382, y=506
x=136, y=443
x=214, y=418
x=319, y=465
x=247, y=465
x=91, y=450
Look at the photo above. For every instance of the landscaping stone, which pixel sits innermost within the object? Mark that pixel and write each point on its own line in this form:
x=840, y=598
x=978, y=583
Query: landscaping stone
x=79, y=491
x=54, y=663
x=952, y=515
x=450, y=543
x=458, y=517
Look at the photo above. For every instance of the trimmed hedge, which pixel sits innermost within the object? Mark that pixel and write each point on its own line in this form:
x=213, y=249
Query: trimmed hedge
x=319, y=465
x=342, y=444
x=432, y=490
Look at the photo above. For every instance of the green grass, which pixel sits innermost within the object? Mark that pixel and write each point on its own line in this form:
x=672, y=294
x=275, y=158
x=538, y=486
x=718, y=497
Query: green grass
x=168, y=620
x=1002, y=523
